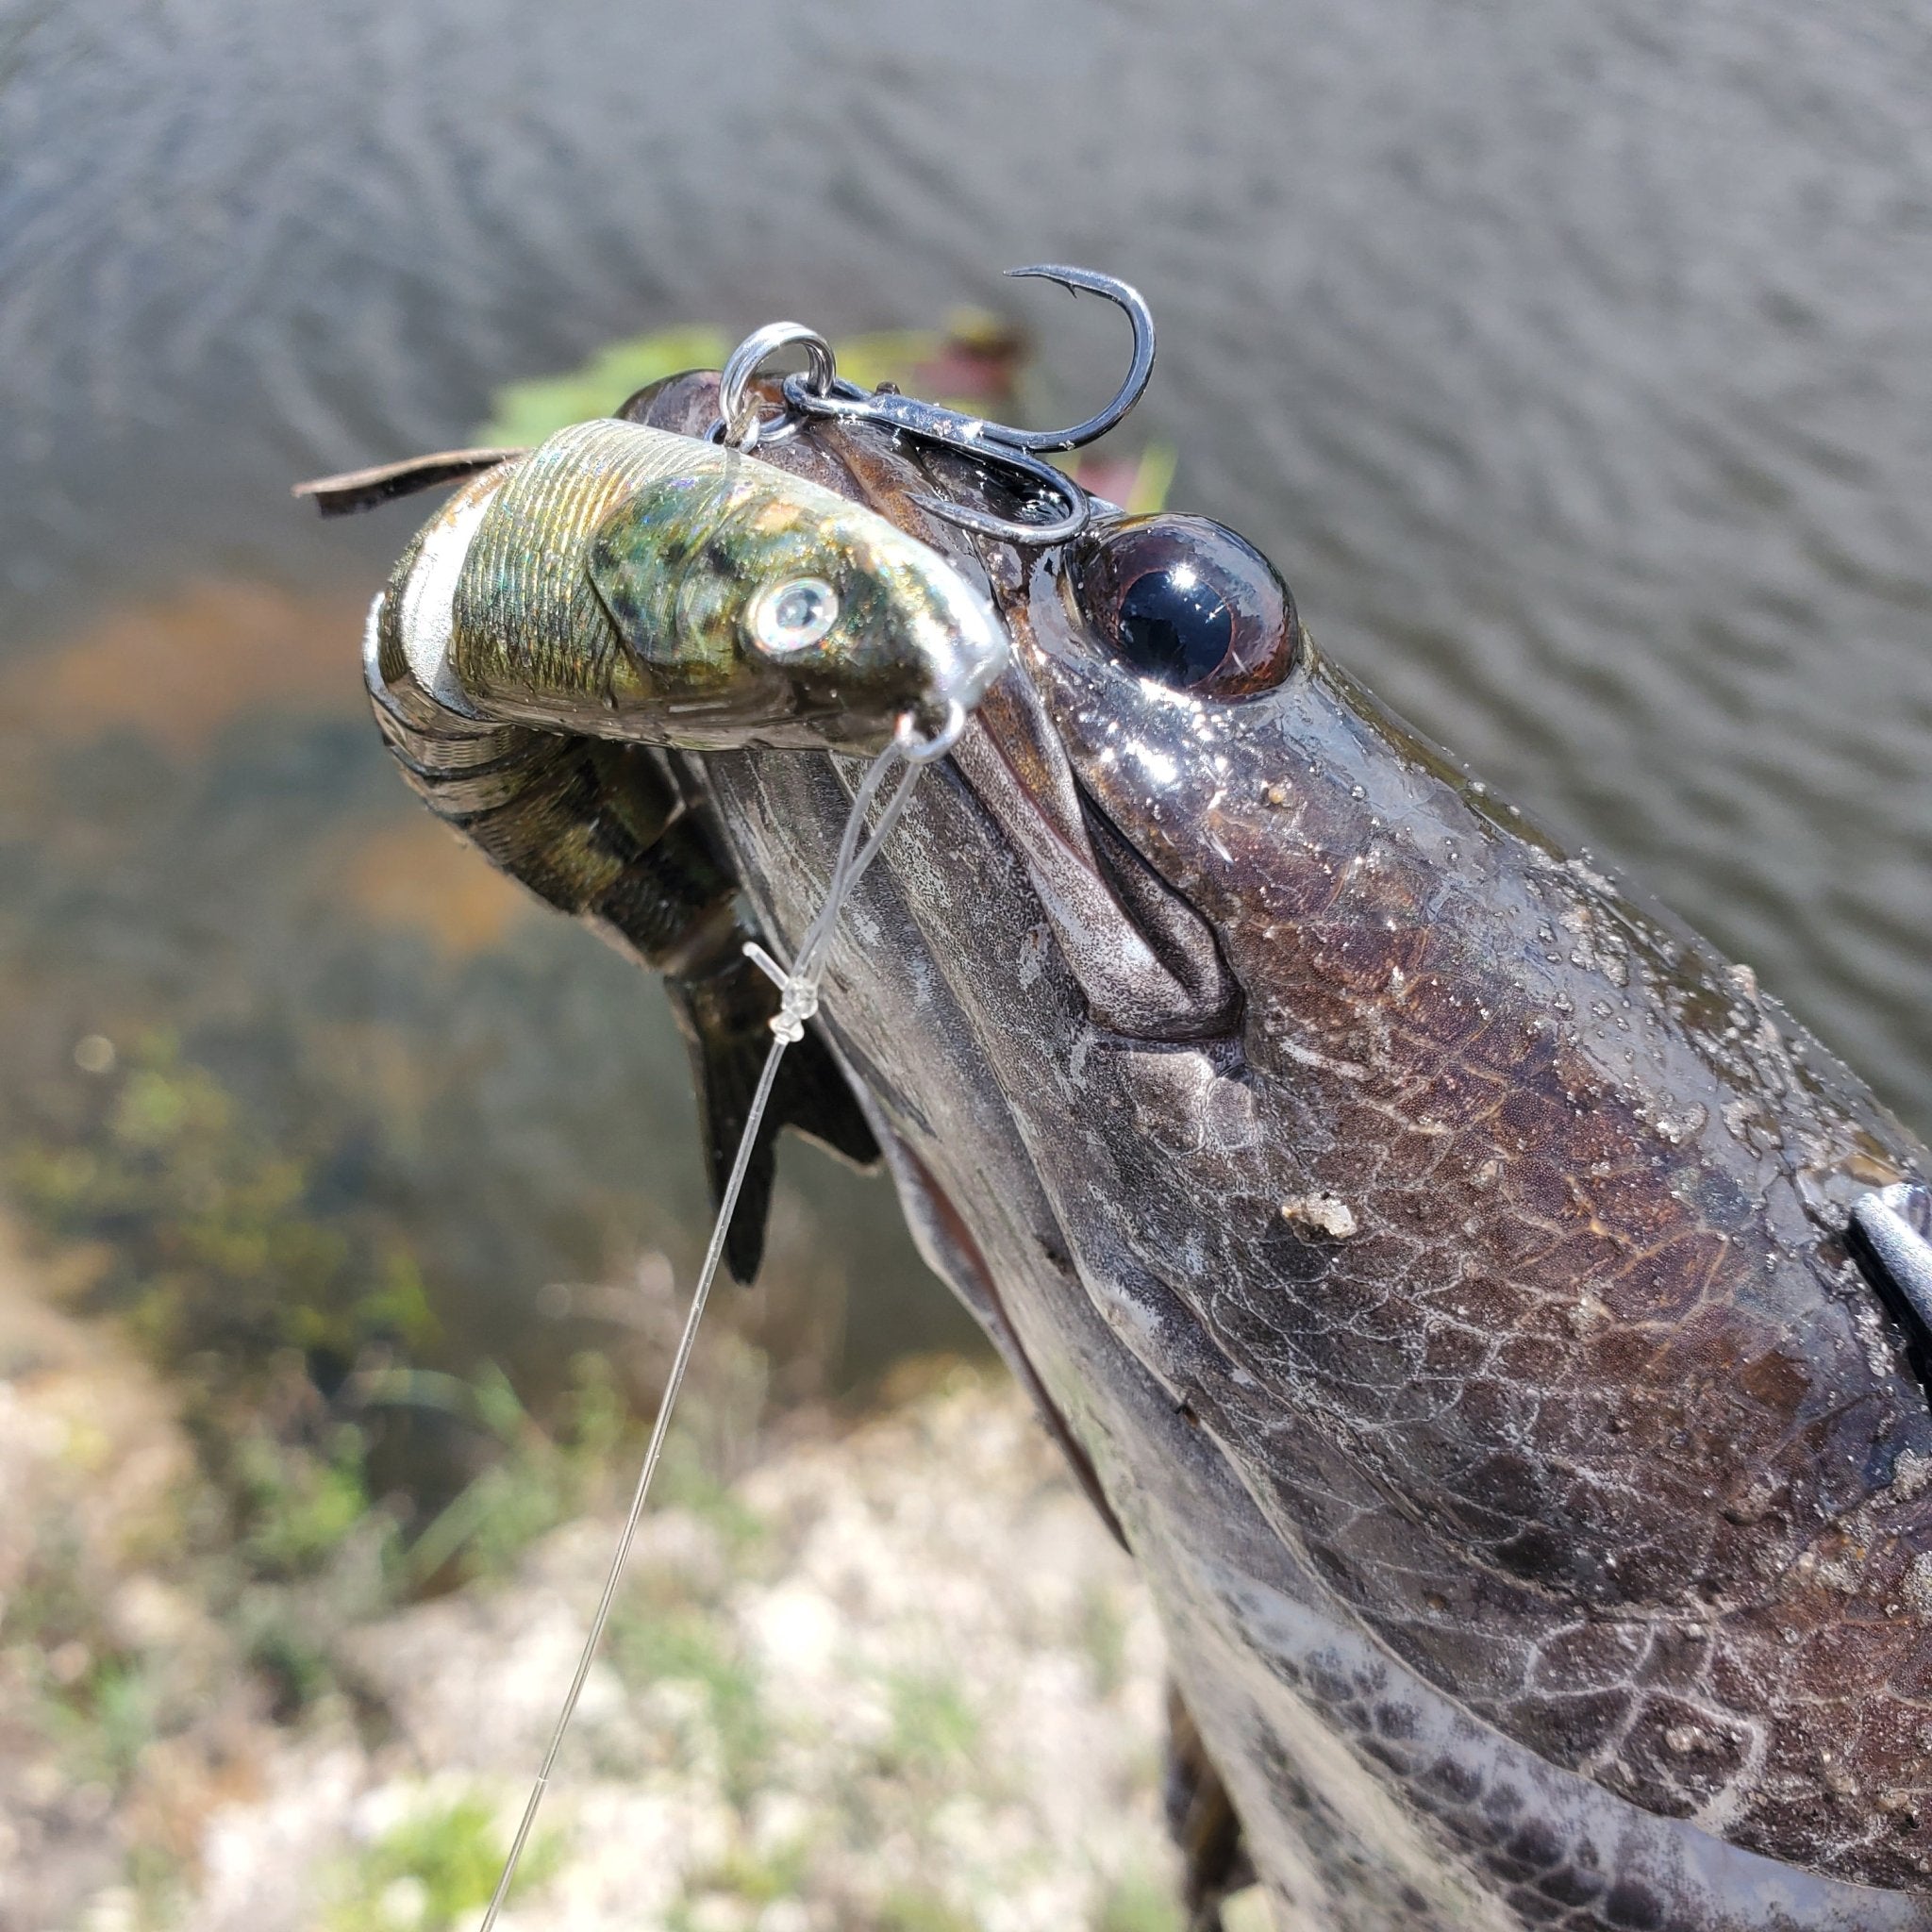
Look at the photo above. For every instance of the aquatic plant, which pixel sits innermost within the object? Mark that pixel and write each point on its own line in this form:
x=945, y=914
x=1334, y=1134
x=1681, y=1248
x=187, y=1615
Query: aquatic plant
x=212, y=1242
x=976, y=362
x=976, y=358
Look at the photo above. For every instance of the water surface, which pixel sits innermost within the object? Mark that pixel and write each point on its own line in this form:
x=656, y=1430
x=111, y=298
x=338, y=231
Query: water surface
x=1574, y=361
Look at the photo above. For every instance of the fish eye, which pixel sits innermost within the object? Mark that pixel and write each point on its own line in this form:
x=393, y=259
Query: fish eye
x=794, y=615
x=1188, y=603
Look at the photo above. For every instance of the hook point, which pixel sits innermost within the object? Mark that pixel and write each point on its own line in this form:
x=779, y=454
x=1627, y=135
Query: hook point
x=1126, y=298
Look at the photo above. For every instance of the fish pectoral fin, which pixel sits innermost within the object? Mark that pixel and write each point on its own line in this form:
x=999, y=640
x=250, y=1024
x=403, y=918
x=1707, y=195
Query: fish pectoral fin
x=1201, y=1820
x=814, y=1097
x=724, y=1018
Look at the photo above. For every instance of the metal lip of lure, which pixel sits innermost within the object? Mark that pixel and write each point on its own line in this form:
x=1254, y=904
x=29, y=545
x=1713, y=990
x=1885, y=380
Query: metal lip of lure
x=629, y=583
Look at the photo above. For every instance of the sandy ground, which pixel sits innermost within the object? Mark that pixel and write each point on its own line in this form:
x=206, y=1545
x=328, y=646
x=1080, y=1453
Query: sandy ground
x=895, y=1678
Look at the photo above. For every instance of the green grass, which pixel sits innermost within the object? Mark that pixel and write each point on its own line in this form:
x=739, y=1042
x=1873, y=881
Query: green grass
x=540, y=1479
x=758, y=1879
x=689, y=1645
x=298, y=1507
x=686, y=1480
x=906, y=1910
x=933, y=1725
x=103, y=1723
x=442, y=1865
x=1136, y=1901
x=1105, y=1632
x=156, y=1877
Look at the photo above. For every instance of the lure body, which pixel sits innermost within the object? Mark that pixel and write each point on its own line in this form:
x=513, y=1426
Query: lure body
x=629, y=583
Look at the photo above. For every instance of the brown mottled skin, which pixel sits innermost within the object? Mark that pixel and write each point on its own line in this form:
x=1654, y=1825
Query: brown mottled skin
x=1546, y=1540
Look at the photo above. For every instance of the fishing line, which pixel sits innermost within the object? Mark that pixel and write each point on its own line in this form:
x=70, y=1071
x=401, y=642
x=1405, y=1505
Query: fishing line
x=798, y=1001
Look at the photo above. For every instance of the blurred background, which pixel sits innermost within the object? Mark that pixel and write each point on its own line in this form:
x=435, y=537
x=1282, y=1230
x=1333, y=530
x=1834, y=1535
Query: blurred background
x=1573, y=361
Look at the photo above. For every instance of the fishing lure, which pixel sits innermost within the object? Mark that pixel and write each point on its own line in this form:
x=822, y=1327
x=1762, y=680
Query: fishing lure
x=576, y=616
x=652, y=590
x=639, y=585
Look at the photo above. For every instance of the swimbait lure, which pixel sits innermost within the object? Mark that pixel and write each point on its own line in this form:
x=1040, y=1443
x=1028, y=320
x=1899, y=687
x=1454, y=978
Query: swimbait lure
x=646, y=589
x=636, y=585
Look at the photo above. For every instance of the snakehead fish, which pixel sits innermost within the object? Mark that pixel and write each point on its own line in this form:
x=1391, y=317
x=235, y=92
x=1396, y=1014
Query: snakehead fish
x=1443, y=1272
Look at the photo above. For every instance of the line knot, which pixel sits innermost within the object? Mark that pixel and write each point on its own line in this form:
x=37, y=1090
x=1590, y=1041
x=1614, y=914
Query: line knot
x=798, y=998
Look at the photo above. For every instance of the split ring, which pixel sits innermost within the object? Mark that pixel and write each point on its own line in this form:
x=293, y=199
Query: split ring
x=739, y=425
x=923, y=751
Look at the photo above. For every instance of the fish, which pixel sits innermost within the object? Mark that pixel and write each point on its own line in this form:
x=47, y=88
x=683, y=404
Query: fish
x=1448, y=1274
x=1443, y=1261
x=573, y=612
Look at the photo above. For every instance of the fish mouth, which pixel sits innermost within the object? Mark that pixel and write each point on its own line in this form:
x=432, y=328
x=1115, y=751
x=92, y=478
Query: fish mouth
x=1149, y=964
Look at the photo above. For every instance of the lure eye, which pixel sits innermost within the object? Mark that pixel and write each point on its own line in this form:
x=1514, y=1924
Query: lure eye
x=794, y=615
x=1188, y=603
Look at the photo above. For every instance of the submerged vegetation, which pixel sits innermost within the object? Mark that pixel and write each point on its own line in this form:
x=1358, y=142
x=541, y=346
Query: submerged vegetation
x=268, y=1686
x=349, y=1459
x=216, y=1245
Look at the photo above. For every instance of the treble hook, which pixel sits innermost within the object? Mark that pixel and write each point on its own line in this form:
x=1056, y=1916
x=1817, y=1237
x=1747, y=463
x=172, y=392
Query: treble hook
x=820, y=391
